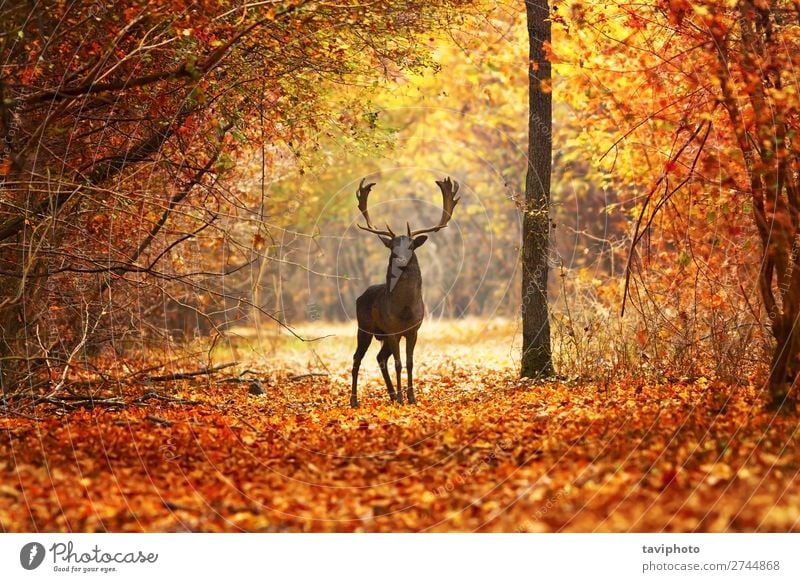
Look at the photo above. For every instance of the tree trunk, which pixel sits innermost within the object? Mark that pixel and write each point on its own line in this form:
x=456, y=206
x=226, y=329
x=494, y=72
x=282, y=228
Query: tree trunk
x=785, y=365
x=536, y=358
x=770, y=159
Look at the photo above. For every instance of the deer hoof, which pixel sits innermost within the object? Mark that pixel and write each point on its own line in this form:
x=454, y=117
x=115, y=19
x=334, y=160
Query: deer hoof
x=411, y=399
x=354, y=402
x=392, y=396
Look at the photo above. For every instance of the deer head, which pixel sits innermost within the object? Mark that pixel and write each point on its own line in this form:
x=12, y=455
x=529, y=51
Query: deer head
x=404, y=245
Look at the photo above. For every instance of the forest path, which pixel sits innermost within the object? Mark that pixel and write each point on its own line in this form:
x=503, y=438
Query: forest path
x=482, y=451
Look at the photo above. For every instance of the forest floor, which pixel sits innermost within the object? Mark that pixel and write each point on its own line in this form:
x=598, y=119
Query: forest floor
x=482, y=451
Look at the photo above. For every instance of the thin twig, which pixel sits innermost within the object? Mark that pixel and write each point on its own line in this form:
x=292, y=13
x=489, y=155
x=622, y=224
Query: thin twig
x=639, y=229
x=311, y=375
x=152, y=394
x=187, y=375
x=244, y=422
x=158, y=420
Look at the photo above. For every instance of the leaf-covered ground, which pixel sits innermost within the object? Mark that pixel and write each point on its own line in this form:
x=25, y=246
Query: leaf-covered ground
x=482, y=451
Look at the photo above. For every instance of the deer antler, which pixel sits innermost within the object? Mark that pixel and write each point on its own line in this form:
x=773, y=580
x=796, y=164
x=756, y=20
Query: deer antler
x=449, y=190
x=362, y=194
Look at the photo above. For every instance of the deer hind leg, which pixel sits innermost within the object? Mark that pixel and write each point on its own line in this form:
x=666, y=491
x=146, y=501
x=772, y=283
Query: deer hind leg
x=383, y=363
x=364, y=339
x=394, y=345
x=411, y=340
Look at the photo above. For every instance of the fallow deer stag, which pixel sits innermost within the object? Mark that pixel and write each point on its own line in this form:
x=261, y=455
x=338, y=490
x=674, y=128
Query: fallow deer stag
x=394, y=310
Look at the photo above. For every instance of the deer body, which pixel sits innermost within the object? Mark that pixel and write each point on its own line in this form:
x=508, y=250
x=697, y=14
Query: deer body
x=383, y=312
x=394, y=310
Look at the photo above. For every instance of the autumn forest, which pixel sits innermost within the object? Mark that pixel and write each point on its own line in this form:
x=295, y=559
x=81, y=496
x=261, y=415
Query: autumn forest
x=400, y=266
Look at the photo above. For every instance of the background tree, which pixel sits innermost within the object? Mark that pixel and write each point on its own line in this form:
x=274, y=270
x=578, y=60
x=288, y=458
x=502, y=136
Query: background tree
x=124, y=125
x=707, y=154
x=536, y=358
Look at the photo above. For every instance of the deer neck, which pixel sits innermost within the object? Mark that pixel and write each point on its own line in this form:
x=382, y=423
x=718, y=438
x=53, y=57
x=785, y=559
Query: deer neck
x=404, y=285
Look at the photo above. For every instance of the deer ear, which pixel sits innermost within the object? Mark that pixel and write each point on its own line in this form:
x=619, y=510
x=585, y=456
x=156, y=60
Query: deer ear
x=387, y=242
x=419, y=241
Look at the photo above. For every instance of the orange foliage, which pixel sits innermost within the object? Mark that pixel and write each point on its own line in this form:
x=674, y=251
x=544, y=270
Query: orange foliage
x=482, y=451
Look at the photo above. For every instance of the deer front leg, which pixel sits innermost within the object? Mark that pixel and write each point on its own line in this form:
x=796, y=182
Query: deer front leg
x=394, y=344
x=383, y=364
x=411, y=340
x=364, y=339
